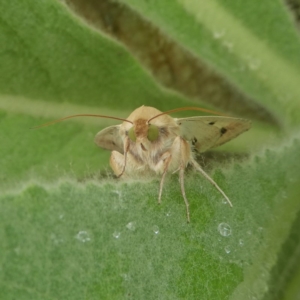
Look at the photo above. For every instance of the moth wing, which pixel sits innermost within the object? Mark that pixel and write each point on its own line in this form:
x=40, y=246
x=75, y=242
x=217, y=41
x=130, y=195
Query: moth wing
x=109, y=139
x=209, y=132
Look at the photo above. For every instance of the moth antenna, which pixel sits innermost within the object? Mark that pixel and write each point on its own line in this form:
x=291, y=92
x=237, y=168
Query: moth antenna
x=80, y=115
x=186, y=108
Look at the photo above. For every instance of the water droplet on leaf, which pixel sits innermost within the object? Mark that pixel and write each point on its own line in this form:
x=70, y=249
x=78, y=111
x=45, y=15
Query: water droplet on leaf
x=218, y=33
x=131, y=226
x=227, y=249
x=224, y=201
x=228, y=45
x=83, y=236
x=224, y=229
x=155, y=229
x=116, y=234
x=254, y=64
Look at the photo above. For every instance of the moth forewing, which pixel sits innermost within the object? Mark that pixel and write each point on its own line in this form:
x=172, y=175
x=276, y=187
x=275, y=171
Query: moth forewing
x=109, y=138
x=208, y=132
x=230, y=128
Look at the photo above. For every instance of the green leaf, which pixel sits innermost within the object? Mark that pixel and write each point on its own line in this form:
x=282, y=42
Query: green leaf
x=55, y=58
x=253, y=44
x=106, y=240
x=69, y=229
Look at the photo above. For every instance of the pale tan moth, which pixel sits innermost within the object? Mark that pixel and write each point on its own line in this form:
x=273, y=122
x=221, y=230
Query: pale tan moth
x=151, y=142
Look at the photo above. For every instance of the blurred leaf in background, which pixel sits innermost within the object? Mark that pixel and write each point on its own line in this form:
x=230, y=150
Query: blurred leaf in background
x=68, y=229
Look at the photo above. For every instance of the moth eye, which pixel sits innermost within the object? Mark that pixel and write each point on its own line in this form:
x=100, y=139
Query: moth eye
x=153, y=132
x=131, y=134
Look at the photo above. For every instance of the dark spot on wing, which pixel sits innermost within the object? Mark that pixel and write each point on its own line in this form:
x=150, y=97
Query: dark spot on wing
x=194, y=141
x=223, y=130
x=211, y=123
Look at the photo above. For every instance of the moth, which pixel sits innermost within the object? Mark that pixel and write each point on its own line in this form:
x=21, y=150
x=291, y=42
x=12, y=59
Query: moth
x=151, y=142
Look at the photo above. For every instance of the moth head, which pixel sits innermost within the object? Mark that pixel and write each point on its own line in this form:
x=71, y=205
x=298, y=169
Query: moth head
x=152, y=133
x=143, y=134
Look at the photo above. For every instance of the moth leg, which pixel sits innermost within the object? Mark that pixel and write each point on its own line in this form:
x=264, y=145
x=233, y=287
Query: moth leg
x=198, y=168
x=166, y=160
x=178, y=157
x=126, y=148
x=181, y=178
x=117, y=162
x=185, y=153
